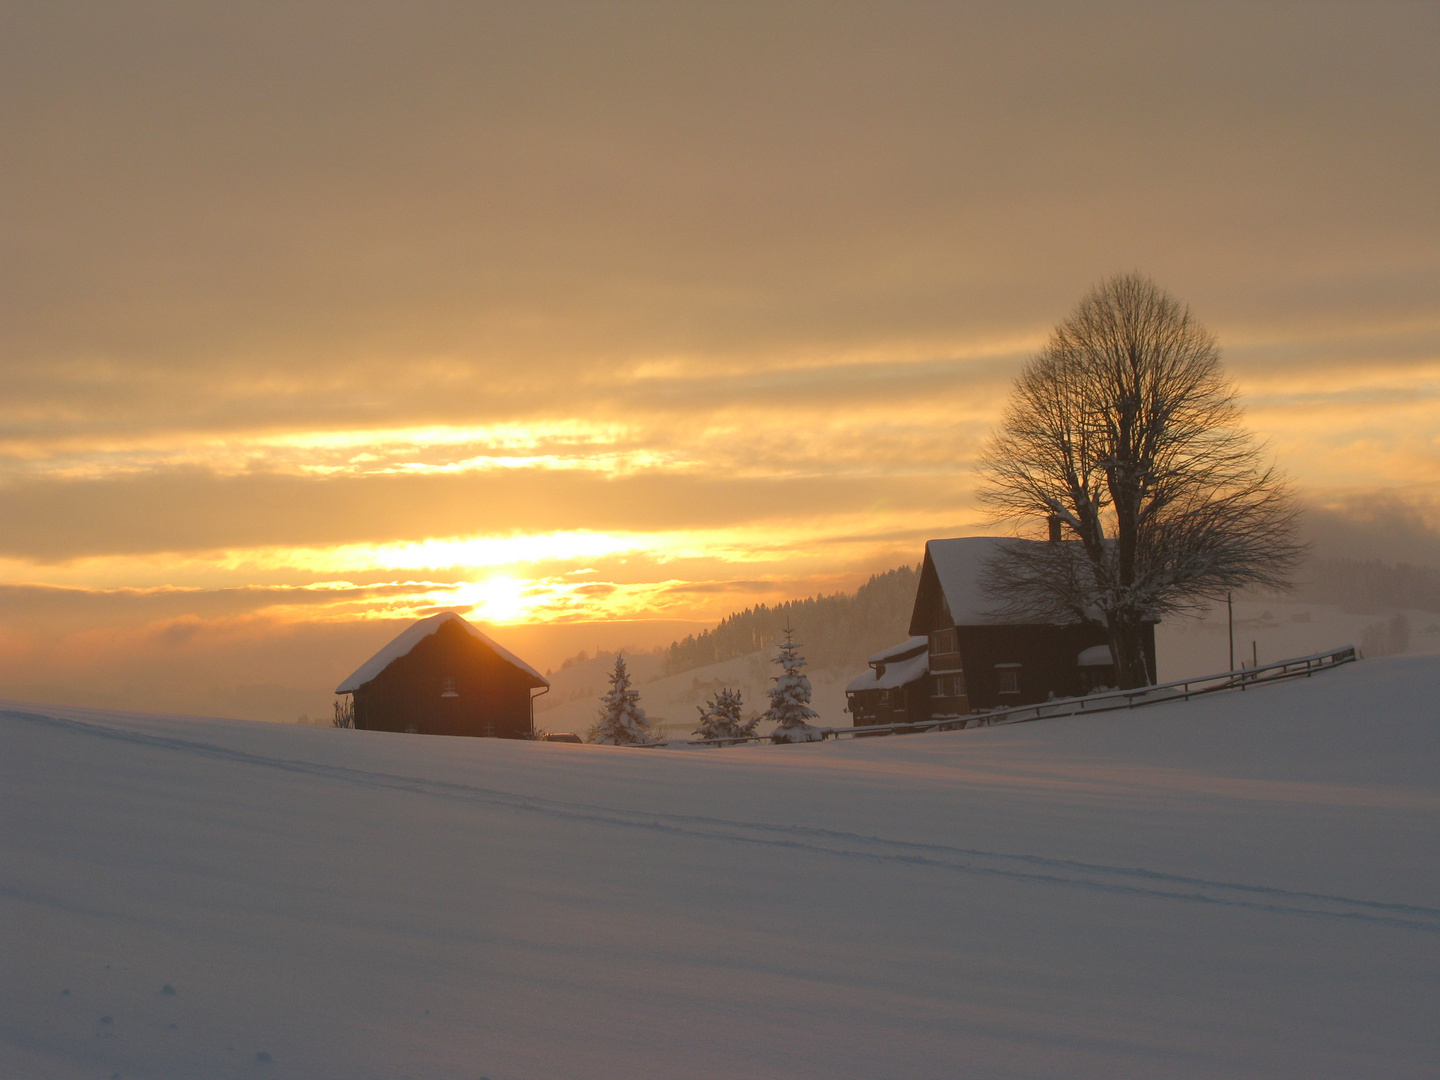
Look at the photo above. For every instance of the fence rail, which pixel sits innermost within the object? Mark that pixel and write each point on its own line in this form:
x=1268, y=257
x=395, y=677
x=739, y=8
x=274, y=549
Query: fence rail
x=1183, y=690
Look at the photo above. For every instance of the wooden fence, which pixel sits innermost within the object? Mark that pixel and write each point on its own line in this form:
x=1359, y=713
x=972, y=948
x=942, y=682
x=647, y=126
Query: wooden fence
x=1109, y=701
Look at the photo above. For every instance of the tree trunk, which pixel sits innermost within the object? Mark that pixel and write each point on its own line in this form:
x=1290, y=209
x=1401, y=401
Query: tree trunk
x=1127, y=648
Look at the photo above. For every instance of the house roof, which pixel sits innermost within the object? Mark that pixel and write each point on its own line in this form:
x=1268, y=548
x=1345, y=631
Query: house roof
x=959, y=565
x=897, y=674
x=897, y=652
x=411, y=636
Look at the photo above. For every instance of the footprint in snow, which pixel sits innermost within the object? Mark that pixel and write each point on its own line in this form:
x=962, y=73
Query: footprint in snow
x=168, y=991
x=262, y=1058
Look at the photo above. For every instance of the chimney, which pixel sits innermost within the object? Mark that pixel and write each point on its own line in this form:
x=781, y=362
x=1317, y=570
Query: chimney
x=1054, y=522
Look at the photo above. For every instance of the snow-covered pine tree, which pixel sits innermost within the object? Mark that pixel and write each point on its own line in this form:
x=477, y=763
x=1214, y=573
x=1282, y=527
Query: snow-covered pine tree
x=790, y=697
x=720, y=718
x=621, y=721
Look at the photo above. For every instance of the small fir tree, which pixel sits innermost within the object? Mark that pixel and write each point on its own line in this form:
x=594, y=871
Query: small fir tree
x=790, y=697
x=720, y=718
x=622, y=721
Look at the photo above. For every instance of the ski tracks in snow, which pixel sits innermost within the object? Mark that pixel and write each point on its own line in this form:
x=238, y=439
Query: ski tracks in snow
x=802, y=839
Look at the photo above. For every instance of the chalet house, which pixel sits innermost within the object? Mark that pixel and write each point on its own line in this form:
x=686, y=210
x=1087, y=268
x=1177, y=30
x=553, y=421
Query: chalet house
x=896, y=689
x=979, y=661
x=975, y=660
x=441, y=676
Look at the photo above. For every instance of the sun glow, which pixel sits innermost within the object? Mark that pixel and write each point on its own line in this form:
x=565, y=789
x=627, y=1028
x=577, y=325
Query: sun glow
x=498, y=599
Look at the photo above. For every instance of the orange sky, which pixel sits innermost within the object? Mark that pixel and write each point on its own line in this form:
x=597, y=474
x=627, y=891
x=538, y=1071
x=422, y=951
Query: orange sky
x=319, y=317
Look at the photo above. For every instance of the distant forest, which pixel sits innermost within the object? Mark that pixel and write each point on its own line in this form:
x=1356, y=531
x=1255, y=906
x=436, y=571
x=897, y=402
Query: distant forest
x=835, y=632
x=1369, y=586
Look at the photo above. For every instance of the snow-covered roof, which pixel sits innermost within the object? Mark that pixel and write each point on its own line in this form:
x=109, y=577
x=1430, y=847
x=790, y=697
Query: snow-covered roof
x=960, y=565
x=1095, y=656
x=898, y=674
x=411, y=636
x=914, y=644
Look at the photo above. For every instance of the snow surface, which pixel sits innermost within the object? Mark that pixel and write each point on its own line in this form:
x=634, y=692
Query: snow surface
x=1240, y=886
x=1095, y=656
x=896, y=674
x=411, y=636
x=960, y=564
x=909, y=646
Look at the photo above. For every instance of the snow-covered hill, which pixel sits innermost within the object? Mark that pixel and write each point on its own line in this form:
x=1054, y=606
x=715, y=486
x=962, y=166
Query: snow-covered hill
x=1243, y=886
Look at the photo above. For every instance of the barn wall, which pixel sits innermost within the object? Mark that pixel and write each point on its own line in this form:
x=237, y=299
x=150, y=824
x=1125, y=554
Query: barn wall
x=1046, y=655
x=492, y=696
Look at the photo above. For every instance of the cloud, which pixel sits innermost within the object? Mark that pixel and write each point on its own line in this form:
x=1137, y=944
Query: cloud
x=193, y=510
x=77, y=608
x=1382, y=525
x=251, y=216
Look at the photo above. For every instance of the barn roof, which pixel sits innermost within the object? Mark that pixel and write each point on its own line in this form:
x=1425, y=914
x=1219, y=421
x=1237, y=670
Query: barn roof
x=909, y=647
x=959, y=565
x=411, y=636
x=897, y=674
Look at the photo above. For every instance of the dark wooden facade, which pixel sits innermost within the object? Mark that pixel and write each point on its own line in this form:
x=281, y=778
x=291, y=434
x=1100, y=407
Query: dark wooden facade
x=897, y=705
x=451, y=681
x=994, y=667
x=977, y=661
x=875, y=699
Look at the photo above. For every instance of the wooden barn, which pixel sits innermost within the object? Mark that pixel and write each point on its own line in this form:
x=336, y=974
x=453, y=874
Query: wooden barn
x=979, y=661
x=896, y=689
x=441, y=676
x=963, y=659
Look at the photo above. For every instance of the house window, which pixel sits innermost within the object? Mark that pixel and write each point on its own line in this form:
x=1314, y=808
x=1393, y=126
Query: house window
x=447, y=687
x=942, y=642
x=950, y=685
x=1009, y=678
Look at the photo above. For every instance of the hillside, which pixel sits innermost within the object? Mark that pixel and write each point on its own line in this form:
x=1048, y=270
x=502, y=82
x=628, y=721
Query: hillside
x=838, y=632
x=1242, y=886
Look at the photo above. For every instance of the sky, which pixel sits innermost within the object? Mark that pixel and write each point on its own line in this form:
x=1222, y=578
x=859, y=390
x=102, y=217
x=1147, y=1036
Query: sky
x=600, y=321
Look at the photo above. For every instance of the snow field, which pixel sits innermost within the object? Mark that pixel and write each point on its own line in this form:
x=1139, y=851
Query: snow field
x=1244, y=885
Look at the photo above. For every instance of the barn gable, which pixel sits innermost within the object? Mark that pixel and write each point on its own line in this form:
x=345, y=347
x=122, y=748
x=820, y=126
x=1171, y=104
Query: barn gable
x=404, y=643
x=950, y=591
x=441, y=676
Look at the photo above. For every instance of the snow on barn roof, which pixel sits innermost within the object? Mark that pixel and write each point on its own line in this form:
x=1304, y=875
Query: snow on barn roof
x=914, y=644
x=898, y=674
x=960, y=565
x=411, y=636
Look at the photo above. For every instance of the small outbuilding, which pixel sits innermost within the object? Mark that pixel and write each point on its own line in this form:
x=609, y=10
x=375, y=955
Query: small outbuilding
x=442, y=676
x=896, y=689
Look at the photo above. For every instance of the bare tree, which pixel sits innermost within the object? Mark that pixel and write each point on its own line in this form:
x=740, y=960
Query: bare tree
x=1124, y=433
x=344, y=713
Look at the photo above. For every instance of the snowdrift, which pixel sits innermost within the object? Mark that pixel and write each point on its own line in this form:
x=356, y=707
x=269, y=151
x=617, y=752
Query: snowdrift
x=1247, y=885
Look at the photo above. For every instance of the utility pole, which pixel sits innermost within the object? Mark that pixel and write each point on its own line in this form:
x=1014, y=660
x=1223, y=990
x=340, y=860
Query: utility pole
x=1230, y=616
